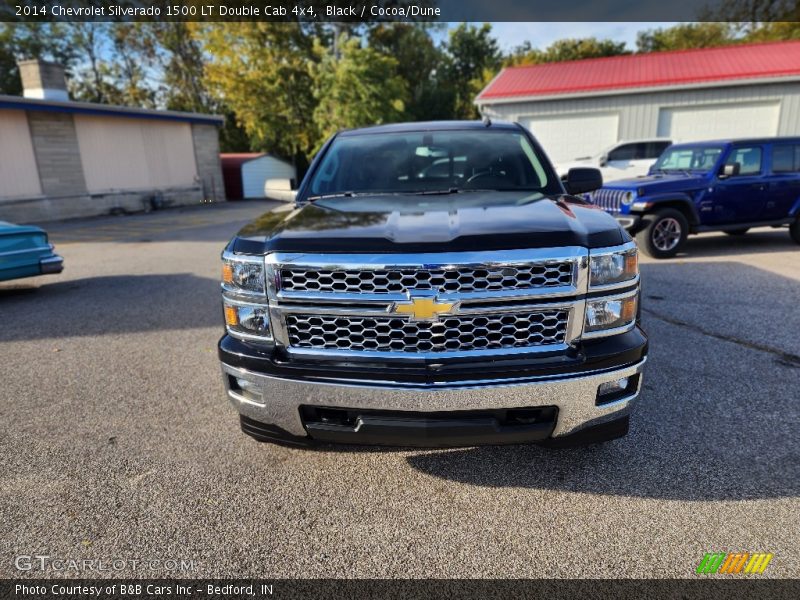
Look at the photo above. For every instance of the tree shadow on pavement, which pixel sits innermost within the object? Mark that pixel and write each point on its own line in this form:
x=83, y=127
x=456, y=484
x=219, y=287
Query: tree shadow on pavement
x=109, y=306
x=717, y=418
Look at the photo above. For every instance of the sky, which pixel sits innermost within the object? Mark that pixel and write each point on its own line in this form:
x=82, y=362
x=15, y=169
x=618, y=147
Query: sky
x=541, y=35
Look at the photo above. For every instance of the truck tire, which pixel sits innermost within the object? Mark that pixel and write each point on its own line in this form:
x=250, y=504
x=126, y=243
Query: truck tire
x=794, y=230
x=738, y=231
x=665, y=233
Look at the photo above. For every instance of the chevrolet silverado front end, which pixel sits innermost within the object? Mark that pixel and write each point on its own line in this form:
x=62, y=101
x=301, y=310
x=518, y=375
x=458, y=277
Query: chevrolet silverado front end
x=442, y=303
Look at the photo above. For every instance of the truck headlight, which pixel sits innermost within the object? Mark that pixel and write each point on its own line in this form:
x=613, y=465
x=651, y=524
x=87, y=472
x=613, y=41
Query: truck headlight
x=613, y=266
x=243, y=272
x=244, y=299
x=606, y=314
x=252, y=320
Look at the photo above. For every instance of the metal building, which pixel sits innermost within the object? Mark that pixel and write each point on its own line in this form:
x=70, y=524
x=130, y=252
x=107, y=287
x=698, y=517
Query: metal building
x=579, y=108
x=62, y=159
x=246, y=174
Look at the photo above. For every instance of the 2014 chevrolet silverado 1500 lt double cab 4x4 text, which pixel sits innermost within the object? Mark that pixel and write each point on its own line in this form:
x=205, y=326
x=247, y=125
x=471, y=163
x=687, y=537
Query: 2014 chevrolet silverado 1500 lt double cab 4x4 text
x=434, y=285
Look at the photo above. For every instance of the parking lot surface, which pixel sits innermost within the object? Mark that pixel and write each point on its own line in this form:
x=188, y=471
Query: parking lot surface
x=118, y=441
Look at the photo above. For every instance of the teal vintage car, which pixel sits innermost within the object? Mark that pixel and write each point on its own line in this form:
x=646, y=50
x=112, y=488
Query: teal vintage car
x=25, y=252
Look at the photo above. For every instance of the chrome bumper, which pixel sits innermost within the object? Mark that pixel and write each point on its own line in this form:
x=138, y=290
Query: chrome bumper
x=277, y=401
x=51, y=264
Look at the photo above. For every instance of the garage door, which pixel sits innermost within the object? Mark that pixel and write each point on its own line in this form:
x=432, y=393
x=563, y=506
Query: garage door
x=19, y=176
x=569, y=137
x=719, y=121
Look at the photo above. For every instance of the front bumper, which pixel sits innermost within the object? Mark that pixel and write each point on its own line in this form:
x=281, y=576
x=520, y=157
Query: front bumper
x=279, y=401
x=51, y=265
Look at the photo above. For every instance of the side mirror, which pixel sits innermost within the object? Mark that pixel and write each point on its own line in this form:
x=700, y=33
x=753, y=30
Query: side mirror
x=731, y=170
x=603, y=160
x=581, y=180
x=279, y=189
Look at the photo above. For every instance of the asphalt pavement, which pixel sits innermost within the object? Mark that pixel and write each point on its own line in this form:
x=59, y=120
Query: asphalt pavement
x=118, y=442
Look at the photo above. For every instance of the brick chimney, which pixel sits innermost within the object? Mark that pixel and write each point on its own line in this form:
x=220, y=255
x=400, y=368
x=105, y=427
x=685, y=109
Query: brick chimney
x=43, y=80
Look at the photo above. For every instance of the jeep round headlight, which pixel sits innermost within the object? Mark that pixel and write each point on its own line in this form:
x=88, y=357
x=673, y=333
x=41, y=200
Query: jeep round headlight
x=628, y=198
x=610, y=267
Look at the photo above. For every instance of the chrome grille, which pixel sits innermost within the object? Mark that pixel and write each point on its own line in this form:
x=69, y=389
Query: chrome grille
x=495, y=331
x=610, y=200
x=401, y=280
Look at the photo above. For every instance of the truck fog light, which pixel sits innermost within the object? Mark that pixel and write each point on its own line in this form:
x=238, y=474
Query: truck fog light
x=250, y=390
x=611, y=391
x=610, y=387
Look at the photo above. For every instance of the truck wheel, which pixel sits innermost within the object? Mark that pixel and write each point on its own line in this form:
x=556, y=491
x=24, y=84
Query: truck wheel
x=794, y=230
x=665, y=234
x=738, y=231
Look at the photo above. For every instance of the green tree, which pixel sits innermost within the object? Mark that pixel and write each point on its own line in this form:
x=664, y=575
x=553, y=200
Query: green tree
x=418, y=61
x=686, y=36
x=262, y=72
x=473, y=58
x=567, y=49
x=9, y=75
x=359, y=87
x=19, y=41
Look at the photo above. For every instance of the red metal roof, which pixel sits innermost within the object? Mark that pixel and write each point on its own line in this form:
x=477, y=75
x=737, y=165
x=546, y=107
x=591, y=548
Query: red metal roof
x=656, y=69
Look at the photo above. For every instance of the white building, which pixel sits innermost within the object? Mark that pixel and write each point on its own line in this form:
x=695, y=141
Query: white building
x=61, y=159
x=246, y=174
x=579, y=108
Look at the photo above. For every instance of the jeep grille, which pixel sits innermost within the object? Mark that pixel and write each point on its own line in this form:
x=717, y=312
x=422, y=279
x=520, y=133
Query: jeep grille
x=609, y=200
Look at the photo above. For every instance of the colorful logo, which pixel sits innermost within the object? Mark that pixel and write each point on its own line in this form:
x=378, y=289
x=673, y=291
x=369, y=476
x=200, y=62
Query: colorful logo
x=731, y=563
x=424, y=308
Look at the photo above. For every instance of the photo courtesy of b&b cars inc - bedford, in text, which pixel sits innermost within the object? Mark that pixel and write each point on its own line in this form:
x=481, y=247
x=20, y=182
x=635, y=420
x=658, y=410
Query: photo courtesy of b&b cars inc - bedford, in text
x=396, y=300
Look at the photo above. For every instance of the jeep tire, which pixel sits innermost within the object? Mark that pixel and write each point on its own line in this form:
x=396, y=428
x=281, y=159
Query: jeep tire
x=665, y=233
x=794, y=230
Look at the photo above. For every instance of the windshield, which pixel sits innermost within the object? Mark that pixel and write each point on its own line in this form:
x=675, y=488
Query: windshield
x=688, y=158
x=432, y=162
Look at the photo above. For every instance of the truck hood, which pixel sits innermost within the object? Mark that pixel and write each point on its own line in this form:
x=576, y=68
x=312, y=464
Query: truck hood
x=660, y=183
x=413, y=223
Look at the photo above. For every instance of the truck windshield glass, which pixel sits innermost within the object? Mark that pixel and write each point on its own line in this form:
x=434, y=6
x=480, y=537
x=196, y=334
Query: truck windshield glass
x=431, y=162
x=688, y=158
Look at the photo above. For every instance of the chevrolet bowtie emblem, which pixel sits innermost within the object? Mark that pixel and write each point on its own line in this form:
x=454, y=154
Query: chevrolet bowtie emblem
x=425, y=308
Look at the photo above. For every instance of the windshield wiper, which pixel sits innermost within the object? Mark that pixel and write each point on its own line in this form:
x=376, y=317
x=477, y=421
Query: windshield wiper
x=336, y=195
x=452, y=190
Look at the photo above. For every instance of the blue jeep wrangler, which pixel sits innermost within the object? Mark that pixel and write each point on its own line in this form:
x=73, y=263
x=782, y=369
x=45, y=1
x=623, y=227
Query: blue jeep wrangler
x=727, y=186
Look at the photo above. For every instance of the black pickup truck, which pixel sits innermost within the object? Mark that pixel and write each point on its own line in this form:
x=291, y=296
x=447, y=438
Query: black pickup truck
x=434, y=284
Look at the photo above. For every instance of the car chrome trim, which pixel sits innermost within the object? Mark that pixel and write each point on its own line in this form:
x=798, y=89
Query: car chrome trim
x=286, y=302
x=48, y=248
x=574, y=395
